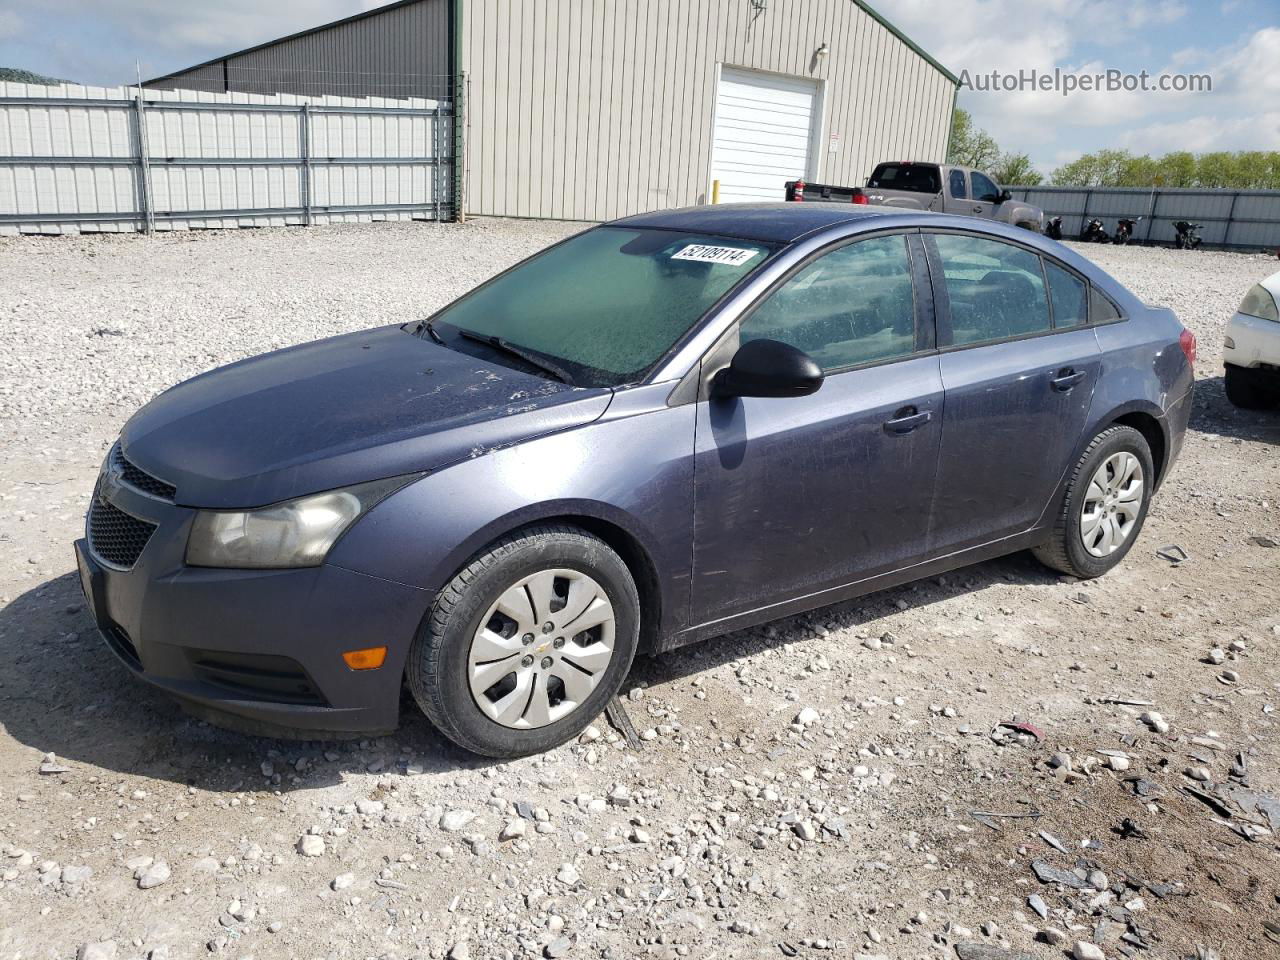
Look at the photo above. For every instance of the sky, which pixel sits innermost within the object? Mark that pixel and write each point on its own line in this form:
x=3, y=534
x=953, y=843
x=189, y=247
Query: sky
x=1236, y=42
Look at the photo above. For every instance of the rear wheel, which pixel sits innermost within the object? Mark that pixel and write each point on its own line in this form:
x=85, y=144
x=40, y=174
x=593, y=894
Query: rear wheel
x=1248, y=390
x=527, y=643
x=1105, y=505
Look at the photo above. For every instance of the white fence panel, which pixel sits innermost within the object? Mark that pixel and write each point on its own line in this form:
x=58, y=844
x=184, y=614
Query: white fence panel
x=78, y=159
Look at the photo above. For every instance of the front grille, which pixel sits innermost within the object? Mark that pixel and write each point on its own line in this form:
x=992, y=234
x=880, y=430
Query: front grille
x=140, y=479
x=119, y=641
x=256, y=676
x=114, y=536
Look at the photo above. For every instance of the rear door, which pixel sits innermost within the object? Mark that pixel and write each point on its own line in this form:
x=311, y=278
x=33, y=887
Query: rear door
x=797, y=495
x=1018, y=368
x=763, y=134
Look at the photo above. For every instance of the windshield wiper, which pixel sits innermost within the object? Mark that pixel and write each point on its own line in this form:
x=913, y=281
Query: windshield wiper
x=430, y=328
x=506, y=346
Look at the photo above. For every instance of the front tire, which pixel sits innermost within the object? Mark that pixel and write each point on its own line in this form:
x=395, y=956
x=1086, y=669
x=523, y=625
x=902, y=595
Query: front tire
x=1246, y=390
x=1105, y=505
x=527, y=643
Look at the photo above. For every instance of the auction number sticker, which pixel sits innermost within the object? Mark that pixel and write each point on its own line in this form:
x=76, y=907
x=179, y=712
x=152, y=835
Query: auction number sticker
x=702, y=253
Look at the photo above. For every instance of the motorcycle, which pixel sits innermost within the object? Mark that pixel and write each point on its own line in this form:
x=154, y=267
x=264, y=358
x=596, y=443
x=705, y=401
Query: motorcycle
x=1053, y=229
x=1188, y=237
x=1093, y=233
x=1124, y=230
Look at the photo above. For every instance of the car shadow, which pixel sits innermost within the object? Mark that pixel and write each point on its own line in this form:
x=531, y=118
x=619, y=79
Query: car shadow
x=1213, y=413
x=865, y=611
x=62, y=691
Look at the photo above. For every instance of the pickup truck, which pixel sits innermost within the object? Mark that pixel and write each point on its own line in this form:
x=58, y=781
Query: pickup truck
x=929, y=186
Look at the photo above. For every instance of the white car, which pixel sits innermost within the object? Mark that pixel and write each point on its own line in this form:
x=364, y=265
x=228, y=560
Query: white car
x=1251, y=351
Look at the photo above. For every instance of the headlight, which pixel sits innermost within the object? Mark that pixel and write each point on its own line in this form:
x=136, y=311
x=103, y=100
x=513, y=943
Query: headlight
x=296, y=533
x=1259, y=302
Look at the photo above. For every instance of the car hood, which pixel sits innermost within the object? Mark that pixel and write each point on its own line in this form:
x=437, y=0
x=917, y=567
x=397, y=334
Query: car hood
x=340, y=411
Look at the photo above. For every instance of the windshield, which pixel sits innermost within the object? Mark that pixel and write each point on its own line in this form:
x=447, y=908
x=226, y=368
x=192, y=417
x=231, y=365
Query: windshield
x=607, y=304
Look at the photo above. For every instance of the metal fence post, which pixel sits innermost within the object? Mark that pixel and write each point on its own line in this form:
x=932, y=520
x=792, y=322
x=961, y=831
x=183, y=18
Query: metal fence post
x=437, y=162
x=1084, y=216
x=144, y=168
x=1231, y=218
x=1151, y=215
x=304, y=151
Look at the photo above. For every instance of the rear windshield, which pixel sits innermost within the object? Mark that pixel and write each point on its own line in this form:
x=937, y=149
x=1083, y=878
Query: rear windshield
x=607, y=304
x=915, y=177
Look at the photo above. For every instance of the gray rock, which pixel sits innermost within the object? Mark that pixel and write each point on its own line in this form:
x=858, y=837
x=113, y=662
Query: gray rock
x=343, y=881
x=369, y=807
x=1036, y=903
x=460, y=951
x=1048, y=873
x=967, y=950
x=456, y=820
x=309, y=845
x=100, y=950
x=152, y=875
x=559, y=947
x=1083, y=950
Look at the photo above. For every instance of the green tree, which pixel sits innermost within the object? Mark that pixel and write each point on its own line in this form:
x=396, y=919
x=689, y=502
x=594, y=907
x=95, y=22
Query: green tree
x=970, y=146
x=1243, y=170
x=18, y=75
x=1015, y=169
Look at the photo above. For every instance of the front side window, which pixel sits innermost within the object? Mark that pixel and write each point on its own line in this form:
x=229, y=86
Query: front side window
x=958, y=190
x=983, y=188
x=1070, y=297
x=606, y=305
x=852, y=306
x=996, y=290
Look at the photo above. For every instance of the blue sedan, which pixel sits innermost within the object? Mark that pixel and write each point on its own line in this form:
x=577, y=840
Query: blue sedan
x=660, y=430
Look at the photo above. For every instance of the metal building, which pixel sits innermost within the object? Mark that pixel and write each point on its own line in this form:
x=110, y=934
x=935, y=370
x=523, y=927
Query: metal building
x=588, y=110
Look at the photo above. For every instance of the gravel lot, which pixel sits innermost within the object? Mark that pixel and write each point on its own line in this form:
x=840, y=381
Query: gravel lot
x=805, y=789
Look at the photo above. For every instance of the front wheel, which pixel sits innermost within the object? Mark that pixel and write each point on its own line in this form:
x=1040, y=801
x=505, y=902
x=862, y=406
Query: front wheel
x=527, y=643
x=1105, y=505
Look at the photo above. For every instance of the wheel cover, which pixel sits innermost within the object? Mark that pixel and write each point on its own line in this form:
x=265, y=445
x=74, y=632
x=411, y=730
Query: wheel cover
x=541, y=649
x=1112, y=504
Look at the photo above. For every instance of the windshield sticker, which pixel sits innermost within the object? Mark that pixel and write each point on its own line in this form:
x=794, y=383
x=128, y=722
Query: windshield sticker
x=702, y=253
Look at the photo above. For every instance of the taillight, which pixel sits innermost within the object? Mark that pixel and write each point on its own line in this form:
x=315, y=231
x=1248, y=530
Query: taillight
x=859, y=196
x=1187, y=341
x=797, y=192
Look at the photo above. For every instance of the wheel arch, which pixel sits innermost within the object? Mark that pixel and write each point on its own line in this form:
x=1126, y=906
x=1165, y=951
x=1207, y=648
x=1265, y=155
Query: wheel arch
x=619, y=532
x=1153, y=430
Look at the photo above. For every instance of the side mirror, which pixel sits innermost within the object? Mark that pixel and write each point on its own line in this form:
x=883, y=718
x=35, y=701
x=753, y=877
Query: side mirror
x=1004, y=196
x=768, y=368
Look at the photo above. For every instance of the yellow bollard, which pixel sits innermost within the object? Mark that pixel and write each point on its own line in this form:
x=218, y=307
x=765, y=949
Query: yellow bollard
x=715, y=191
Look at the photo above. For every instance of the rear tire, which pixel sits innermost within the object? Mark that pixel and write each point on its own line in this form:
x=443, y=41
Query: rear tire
x=1246, y=389
x=1103, y=511
x=537, y=693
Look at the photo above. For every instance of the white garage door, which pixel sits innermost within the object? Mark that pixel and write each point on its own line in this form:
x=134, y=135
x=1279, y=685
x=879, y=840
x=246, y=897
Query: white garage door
x=763, y=133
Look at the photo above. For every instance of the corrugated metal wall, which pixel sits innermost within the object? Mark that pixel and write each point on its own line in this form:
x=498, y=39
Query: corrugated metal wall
x=70, y=161
x=402, y=51
x=1247, y=219
x=590, y=111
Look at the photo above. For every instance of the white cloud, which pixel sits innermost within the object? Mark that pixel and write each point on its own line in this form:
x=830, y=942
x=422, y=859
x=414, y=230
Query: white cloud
x=10, y=24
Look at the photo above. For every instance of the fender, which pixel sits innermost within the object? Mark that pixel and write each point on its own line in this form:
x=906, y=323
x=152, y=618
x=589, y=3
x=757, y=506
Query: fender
x=423, y=534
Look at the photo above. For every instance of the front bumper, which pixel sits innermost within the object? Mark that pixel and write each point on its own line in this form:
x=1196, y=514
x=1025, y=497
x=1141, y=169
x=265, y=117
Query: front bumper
x=261, y=648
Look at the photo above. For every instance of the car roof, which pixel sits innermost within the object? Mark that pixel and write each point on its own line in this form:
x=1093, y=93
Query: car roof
x=764, y=222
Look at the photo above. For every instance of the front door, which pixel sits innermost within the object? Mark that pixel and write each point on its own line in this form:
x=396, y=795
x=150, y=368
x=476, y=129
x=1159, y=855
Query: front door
x=797, y=495
x=1018, y=381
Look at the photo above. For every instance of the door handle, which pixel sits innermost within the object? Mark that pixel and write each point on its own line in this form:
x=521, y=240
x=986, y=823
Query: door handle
x=906, y=420
x=1066, y=379
x=977, y=209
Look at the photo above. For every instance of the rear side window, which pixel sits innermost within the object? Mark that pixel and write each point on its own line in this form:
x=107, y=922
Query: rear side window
x=996, y=290
x=983, y=188
x=848, y=307
x=1070, y=297
x=915, y=177
x=958, y=189
x=1101, y=309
